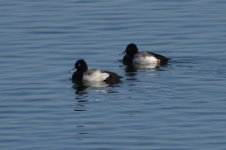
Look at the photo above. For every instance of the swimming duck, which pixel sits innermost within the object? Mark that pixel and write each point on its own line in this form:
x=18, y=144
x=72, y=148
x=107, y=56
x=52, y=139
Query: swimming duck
x=142, y=59
x=82, y=74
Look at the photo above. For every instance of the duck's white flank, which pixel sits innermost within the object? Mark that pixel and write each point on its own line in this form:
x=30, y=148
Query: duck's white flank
x=144, y=58
x=95, y=76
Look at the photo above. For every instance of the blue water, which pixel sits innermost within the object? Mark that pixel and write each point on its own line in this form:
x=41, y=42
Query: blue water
x=181, y=106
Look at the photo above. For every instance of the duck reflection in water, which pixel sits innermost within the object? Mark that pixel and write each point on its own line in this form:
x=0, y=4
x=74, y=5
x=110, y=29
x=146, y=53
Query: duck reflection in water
x=82, y=86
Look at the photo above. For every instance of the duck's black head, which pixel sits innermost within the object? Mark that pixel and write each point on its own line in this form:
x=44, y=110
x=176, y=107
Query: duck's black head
x=81, y=65
x=131, y=49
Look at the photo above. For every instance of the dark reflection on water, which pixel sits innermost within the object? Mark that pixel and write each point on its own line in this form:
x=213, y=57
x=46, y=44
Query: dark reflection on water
x=130, y=70
x=80, y=97
x=80, y=88
x=80, y=105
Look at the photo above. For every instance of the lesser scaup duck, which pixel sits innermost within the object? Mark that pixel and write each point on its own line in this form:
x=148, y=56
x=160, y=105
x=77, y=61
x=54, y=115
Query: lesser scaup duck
x=134, y=57
x=82, y=74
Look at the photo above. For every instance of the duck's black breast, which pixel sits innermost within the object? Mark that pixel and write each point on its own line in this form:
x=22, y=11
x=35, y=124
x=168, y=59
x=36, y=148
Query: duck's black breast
x=127, y=60
x=77, y=77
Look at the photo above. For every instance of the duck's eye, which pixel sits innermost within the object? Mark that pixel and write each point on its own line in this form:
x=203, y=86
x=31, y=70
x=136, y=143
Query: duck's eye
x=79, y=65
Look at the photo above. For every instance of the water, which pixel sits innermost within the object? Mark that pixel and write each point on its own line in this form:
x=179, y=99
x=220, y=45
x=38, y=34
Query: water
x=180, y=106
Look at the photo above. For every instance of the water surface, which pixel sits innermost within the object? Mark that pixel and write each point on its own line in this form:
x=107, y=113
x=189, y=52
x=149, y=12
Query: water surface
x=178, y=106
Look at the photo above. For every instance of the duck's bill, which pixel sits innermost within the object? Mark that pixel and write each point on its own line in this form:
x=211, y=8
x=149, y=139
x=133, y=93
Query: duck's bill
x=72, y=70
x=124, y=52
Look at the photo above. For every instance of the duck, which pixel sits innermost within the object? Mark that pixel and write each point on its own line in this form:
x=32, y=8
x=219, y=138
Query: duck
x=144, y=59
x=85, y=75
